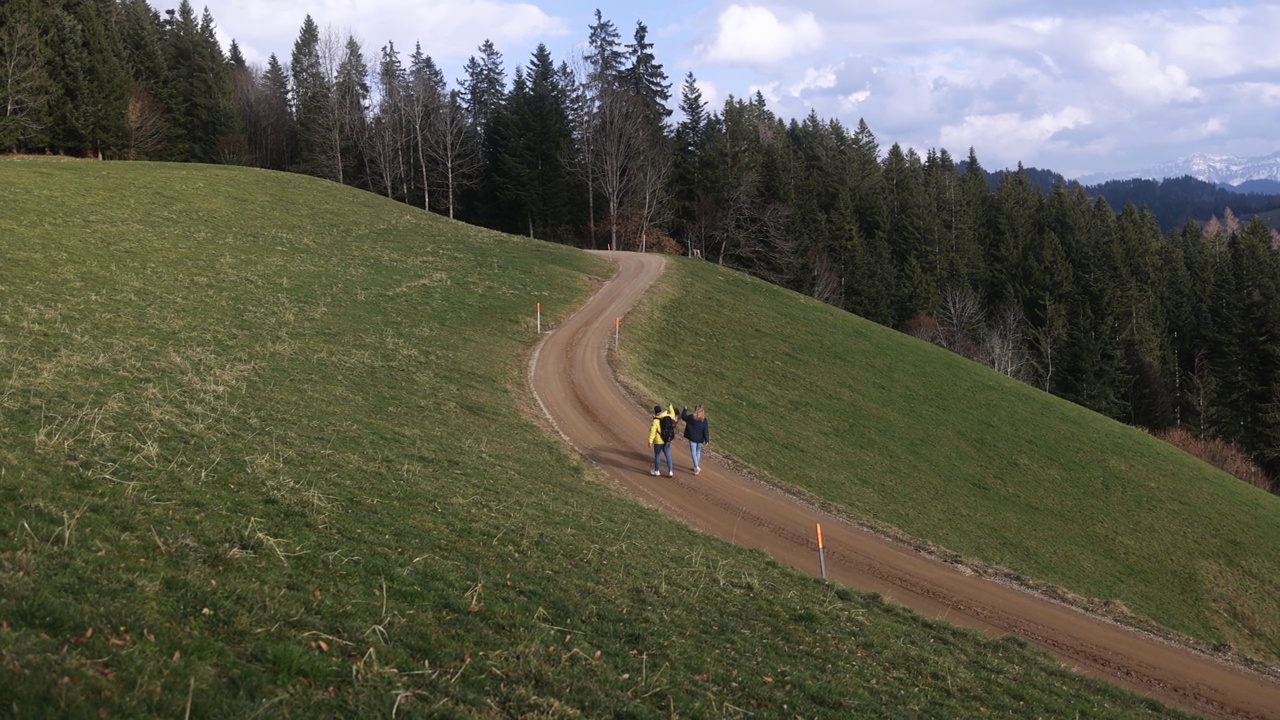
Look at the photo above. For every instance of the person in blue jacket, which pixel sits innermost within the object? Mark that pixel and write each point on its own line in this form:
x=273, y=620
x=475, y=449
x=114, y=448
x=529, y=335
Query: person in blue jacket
x=697, y=432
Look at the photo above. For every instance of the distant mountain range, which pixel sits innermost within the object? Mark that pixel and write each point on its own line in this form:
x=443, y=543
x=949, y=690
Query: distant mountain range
x=1174, y=200
x=1245, y=175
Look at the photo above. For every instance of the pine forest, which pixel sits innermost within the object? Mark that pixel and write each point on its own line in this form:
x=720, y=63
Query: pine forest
x=1175, y=332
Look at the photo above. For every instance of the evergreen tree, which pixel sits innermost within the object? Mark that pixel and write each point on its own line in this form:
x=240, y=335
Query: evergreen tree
x=484, y=87
x=645, y=78
x=687, y=168
x=142, y=35
x=484, y=90
x=278, y=138
x=604, y=56
x=347, y=114
x=1248, y=320
x=312, y=89
x=68, y=67
x=104, y=99
x=1015, y=213
x=534, y=184
x=200, y=95
x=867, y=183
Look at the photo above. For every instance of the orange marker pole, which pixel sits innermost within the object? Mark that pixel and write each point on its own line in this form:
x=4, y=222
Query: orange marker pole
x=617, y=328
x=539, y=318
x=822, y=553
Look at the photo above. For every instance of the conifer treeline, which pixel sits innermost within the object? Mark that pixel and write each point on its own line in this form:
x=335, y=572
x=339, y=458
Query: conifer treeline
x=1065, y=293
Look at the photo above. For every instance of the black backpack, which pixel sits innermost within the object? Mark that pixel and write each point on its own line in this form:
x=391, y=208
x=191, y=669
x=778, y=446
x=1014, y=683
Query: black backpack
x=667, y=428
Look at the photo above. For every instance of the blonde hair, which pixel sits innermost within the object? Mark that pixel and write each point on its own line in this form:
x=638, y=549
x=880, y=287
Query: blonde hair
x=699, y=414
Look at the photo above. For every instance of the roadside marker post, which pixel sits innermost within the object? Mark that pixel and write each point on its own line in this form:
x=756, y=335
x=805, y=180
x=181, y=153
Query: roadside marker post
x=617, y=328
x=539, y=318
x=822, y=553
x=610, y=252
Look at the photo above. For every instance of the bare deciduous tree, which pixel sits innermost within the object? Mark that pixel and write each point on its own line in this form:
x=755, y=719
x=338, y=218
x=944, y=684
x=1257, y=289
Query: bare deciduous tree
x=652, y=187
x=386, y=139
x=145, y=119
x=453, y=144
x=961, y=320
x=24, y=87
x=418, y=107
x=754, y=231
x=1006, y=345
x=619, y=149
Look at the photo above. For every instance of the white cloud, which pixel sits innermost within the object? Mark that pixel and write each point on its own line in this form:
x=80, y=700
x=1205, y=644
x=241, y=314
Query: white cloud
x=710, y=94
x=1213, y=126
x=815, y=78
x=753, y=34
x=854, y=98
x=449, y=30
x=769, y=91
x=1265, y=93
x=1141, y=75
x=1009, y=137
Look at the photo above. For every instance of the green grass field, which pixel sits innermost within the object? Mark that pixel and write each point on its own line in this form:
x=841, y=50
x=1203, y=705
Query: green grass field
x=897, y=431
x=265, y=451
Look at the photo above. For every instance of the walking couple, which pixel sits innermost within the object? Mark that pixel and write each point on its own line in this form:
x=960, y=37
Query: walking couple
x=662, y=433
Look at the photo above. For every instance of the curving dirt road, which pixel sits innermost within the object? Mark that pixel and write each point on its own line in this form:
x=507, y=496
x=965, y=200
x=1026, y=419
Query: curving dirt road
x=578, y=391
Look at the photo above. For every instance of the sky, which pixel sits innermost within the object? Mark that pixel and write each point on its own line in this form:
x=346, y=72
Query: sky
x=1079, y=87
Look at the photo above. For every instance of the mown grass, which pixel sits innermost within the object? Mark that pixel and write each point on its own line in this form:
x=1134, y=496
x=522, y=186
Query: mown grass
x=902, y=433
x=263, y=454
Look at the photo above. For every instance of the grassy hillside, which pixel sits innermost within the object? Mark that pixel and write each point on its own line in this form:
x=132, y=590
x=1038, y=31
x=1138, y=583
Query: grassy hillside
x=262, y=453
x=904, y=433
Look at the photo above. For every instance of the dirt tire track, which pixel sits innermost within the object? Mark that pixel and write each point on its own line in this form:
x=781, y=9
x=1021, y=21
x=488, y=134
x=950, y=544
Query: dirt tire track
x=572, y=380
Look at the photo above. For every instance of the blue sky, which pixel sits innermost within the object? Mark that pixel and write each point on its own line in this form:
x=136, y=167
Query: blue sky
x=1078, y=87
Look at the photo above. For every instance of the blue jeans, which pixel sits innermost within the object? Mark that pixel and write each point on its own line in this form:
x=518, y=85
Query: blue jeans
x=695, y=449
x=658, y=451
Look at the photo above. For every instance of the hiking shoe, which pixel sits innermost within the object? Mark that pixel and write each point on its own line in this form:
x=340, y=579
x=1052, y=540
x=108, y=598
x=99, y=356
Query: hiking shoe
x=671, y=473
x=696, y=470
x=654, y=473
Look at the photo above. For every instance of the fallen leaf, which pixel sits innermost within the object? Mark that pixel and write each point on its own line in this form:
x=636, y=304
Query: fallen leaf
x=324, y=647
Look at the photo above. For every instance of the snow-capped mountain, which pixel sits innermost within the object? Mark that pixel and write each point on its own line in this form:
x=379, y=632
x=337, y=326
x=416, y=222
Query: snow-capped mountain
x=1216, y=169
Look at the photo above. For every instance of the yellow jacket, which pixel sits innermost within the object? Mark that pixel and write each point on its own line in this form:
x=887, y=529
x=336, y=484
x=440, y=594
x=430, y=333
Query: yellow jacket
x=655, y=428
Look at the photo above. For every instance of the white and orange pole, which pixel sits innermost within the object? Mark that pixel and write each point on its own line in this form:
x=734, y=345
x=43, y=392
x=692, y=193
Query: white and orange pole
x=539, y=318
x=822, y=553
x=617, y=329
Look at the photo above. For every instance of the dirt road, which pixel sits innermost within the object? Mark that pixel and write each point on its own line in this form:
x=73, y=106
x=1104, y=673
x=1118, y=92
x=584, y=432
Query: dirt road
x=578, y=391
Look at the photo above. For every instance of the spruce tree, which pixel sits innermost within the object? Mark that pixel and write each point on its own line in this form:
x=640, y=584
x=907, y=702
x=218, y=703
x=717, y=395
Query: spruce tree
x=67, y=61
x=346, y=116
x=202, y=116
x=1248, y=322
x=533, y=140
x=604, y=56
x=279, y=133
x=644, y=76
x=311, y=95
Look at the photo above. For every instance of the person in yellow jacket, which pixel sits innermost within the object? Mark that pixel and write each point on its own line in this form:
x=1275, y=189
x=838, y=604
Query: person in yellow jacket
x=662, y=432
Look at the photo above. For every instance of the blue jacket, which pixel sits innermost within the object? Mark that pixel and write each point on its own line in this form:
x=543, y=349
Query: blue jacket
x=695, y=430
